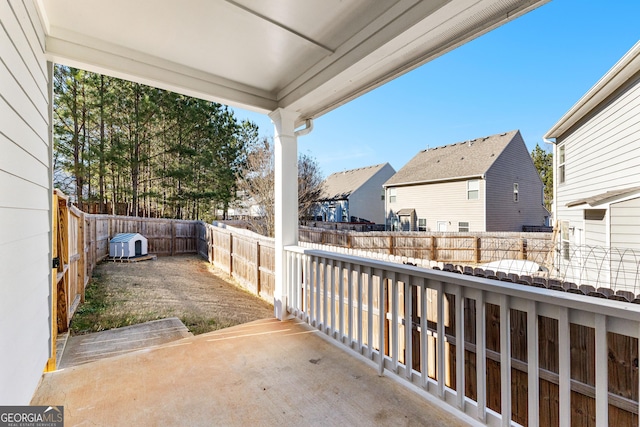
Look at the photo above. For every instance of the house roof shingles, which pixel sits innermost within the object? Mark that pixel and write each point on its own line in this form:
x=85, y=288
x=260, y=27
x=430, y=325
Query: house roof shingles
x=459, y=160
x=340, y=185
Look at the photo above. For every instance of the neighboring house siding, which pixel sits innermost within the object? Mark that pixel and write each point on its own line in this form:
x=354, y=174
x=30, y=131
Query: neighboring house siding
x=366, y=202
x=514, y=165
x=444, y=201
x=25, y=202
x=625, y=225
x=602, y=151
x=625, y=241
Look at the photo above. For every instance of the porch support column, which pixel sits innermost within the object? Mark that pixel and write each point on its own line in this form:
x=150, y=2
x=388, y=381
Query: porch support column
x=286, y=200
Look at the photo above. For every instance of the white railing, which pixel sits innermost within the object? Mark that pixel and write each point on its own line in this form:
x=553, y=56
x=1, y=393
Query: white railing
x=342, y=296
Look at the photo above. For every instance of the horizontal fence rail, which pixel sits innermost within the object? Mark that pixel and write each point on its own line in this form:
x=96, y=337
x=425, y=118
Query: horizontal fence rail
x=497, y=351
x=446, y=247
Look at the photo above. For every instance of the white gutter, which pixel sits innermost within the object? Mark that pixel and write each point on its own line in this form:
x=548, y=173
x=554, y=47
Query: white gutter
x=432, y=181
x=308, y=127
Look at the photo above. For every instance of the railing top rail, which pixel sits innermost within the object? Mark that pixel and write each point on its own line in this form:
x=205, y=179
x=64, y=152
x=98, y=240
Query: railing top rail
x=607, y=307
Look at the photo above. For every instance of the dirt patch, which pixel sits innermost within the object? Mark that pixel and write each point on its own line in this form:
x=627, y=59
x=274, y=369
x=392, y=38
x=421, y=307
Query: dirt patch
x=187, y=287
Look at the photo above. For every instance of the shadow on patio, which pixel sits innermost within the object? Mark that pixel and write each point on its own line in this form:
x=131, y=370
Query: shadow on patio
x=261, y=373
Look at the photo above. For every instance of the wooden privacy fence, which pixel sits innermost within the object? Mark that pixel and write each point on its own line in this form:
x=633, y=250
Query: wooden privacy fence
x=457, y=248
x=246, y=256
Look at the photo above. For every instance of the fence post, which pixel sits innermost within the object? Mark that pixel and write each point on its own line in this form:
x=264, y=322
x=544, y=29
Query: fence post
x=477, y=256
x=258, y=268
x=523, y=249
x=173, y=238
x=211, y=242
x=434, y=245
x=230, y=254
x=390, y=245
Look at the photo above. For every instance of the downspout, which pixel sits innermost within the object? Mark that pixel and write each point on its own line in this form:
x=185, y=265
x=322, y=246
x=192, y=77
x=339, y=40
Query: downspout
x=308, y=127
x=554, y=205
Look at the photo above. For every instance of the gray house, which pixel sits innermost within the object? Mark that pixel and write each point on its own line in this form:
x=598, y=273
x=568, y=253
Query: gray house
x=354, y=195
x=485, y=184
x=596, y=199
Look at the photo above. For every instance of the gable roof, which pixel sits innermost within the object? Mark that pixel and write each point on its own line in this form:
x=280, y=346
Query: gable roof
x=455, y=161
x=340, y=185
x=618, y=75
x=125, y=237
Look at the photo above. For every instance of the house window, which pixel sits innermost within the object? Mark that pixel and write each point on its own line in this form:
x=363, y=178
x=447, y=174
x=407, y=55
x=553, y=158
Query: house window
x=422, y=224
x=392, y=195
x=463, y=227
x=515, y=192
x=561, y=159
x=473, y=188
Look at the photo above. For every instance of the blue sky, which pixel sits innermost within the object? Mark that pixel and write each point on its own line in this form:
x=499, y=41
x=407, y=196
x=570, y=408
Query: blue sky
x=523, y=75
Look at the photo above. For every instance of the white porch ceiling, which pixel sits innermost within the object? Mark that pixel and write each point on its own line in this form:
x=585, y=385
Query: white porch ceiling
x=309, y=56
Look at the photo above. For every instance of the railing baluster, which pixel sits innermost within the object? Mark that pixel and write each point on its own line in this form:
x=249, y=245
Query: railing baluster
x=381, y=319
x=424, y=336
x=394, y=322
x=312, y=291
x=481, y=357
x=460, y=380
x=360, y=308
x=564, y=356
x=333, y=299
x=408, y=327
x=295, y=283
x=505, y=360
x=318, y=293
x=440, y=363
x=340, y=301
x=370, y=311
x=350, y=305
x=325, y=296
x=533, y=378
x=602, y=378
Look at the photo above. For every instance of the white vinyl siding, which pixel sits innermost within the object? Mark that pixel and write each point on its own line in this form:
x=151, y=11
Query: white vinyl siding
x=25, y=192
x=603, y=153
x=514, y=171
x=441, y=201
x=625, y=225
x=625, y=241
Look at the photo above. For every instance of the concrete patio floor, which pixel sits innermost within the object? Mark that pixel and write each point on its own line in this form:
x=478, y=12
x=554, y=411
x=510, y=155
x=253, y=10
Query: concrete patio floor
x=260, y=374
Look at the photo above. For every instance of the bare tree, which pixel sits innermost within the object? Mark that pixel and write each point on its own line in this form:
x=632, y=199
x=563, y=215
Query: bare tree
x=257, y=186
x=310, y=184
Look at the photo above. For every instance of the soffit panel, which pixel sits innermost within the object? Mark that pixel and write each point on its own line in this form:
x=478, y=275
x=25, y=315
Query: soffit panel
x=309, y=56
